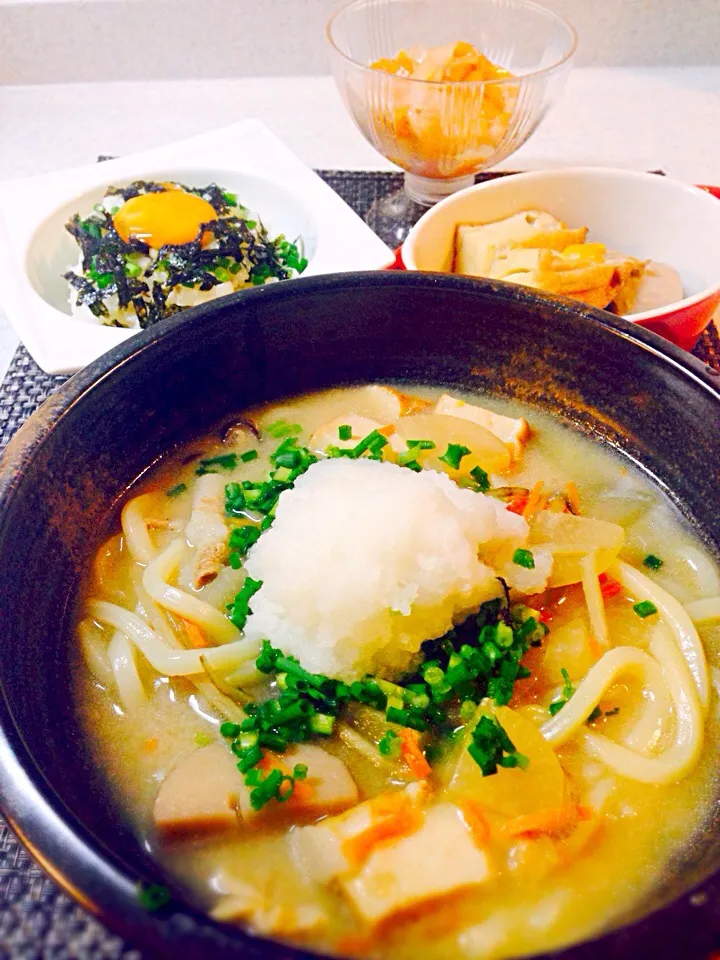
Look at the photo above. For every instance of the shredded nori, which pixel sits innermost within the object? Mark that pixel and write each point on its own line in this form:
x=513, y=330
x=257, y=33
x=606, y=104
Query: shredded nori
x=237, y=243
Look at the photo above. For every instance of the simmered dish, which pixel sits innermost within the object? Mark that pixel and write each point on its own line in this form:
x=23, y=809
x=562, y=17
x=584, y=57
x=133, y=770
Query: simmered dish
x=150, y=249
x=396, y=675
x=535, y=249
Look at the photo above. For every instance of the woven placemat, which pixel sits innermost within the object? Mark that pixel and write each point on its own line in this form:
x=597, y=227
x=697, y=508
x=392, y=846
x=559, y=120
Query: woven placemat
x=36, y=919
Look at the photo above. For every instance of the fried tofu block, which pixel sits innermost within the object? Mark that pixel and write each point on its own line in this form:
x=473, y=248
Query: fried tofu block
x=339, y=845
x=200, y=794
x=440, y=860
x=513, y=432
x=476, y=245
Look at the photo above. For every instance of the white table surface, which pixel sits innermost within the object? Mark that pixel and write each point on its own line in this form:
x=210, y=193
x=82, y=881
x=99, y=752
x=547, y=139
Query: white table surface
x=643, y=119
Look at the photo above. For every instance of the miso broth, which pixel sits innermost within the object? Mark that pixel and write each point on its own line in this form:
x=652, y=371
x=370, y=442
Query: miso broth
x=579, y=676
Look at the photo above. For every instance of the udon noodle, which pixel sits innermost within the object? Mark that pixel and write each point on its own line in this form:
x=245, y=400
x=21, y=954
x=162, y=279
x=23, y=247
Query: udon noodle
x=399, y=675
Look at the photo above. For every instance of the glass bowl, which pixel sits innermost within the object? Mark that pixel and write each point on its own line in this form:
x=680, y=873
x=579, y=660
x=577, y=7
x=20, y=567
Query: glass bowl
x=444, y=132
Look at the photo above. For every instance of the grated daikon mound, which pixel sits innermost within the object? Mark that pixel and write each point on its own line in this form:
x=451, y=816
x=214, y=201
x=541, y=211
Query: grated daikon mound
x=366, y=560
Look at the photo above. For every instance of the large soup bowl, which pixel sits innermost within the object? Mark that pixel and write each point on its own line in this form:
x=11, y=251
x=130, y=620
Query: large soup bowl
x=65, y=473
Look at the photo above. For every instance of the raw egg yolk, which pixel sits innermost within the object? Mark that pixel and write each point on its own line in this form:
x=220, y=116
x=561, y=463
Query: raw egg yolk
x=170, y=217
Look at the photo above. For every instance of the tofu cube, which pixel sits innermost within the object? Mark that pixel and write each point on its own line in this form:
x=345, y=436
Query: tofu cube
x=439, y=860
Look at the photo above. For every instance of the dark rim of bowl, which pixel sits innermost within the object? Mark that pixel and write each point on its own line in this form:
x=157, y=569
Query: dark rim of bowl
x=82, y=866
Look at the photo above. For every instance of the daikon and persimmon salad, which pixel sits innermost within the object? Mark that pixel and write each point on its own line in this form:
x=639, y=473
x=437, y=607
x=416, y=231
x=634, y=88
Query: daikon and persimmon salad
x=150, y=249
x=453, y=121
x=393, y=674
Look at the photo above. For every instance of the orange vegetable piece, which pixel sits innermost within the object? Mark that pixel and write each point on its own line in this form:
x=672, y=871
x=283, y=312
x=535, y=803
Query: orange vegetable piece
x=475, y=821
x=573, y=497
x=194, y=633
x=413, y=754
x=518, y=503
x=302, y=789
x=150, y=744
x=608, y=586
x=393, y=815
x=534, y=501
x=548, y=821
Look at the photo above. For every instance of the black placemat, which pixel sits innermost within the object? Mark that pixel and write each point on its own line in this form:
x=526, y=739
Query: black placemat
x=36, y=919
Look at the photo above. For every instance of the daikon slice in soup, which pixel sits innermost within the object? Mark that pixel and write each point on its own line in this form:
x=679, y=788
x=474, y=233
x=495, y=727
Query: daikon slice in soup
x=393, y=674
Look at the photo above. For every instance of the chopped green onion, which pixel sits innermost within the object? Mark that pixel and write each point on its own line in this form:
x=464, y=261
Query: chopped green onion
x=281, y=428
x=645, y=609
x=524, y=558
x=467, y=710
x=253, y=756
x=652, y=562
x=374, y=442
x=226, y=461
x=421, y=444
x=595, y=715
x=248, y=456
x=229, y=729
x=242, y=538
x=176, y=490
x=239, y=609
x=397, y=715
x=454, y=454
x=567, y=691
x=345, y=431
x=492, y=747
x=481, y=479
x=389, y=745
x=152, y=896
x=267, y=790
x=322, y=723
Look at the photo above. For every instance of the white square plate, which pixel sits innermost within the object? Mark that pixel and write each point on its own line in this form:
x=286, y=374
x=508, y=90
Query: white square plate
x=246, y=158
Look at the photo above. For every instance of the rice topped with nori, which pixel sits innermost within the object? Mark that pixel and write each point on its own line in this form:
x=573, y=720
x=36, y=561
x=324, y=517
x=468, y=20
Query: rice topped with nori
x=128, y=283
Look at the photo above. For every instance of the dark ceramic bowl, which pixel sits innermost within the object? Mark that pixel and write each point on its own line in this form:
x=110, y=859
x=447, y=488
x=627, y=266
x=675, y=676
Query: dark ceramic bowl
x=65, y=473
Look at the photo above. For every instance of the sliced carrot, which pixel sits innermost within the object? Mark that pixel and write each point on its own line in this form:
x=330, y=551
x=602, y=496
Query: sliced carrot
x=388, y=430
x=354, y=944
x=608, y=586
x=573, y=497
x=595, y=648
x=518, y=503
x=413, y=755
x=358, y=848
x=548, y=821
x=475, y=821
x=194, y=633
x=389, y=803
x=534, y=501
x=302, y=790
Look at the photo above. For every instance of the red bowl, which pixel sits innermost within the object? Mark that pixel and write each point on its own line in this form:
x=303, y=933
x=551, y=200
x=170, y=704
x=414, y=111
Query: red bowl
x=642, y=214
